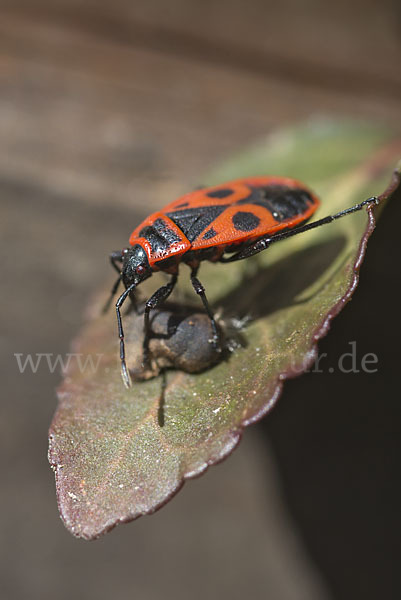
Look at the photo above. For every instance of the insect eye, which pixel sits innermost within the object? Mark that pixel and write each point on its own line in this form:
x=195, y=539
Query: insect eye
x=140, y=270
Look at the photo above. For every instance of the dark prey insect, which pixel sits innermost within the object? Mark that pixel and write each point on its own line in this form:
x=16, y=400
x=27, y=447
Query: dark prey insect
x=239, y=219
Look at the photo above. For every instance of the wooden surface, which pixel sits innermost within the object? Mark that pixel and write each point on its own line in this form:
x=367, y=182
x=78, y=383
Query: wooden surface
x=127, y=102
x=109, y=109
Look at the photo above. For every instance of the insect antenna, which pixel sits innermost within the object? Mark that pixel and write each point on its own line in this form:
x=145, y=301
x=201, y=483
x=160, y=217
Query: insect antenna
x=124, y=370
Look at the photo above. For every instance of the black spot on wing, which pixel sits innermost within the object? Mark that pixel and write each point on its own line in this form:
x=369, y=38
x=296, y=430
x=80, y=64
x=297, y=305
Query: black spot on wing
x=245, y=221
x=193, y=221
x=221, y=193
x=210, y=233
x=183, y=205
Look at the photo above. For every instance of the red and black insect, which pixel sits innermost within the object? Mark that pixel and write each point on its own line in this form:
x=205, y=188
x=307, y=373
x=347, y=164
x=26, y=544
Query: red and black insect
x=223, y=223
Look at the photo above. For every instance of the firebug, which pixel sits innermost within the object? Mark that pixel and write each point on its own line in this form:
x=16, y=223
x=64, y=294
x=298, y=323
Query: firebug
x=223, y=223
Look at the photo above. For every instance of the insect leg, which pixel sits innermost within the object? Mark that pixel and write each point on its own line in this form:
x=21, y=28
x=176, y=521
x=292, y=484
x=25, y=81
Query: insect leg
x=115, y=257
x=113, y=291
x=200, y=290
x=157, y=298
x=265, y=242
x=119, y=303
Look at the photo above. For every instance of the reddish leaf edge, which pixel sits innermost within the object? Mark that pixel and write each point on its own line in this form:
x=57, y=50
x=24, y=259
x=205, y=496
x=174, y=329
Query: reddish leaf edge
x=307, y=362
x=323, y=329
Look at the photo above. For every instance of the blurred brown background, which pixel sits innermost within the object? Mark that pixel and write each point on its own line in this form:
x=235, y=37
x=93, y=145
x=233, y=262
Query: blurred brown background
x=108, y=110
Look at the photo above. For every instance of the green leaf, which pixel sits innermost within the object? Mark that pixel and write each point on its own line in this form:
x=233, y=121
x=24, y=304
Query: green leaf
x=113, y=455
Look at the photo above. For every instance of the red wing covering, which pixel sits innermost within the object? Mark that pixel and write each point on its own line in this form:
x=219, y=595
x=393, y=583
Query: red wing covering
x=241, y=210
x=237, y=225
x=223, y=194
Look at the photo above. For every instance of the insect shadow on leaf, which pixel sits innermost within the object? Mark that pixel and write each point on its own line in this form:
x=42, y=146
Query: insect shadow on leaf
x=276, y=286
